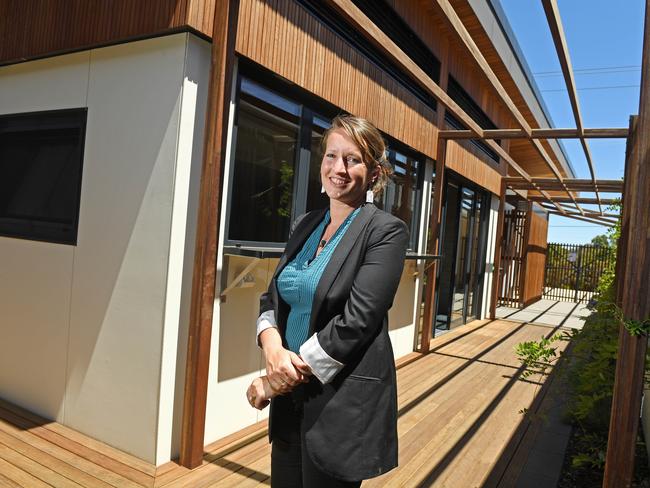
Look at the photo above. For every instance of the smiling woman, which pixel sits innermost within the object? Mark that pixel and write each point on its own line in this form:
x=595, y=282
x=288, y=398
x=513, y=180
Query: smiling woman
x=354, y=160
x=323, y=325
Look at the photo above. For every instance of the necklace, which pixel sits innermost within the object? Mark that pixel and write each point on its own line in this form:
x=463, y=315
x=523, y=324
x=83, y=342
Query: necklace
x=324, y=240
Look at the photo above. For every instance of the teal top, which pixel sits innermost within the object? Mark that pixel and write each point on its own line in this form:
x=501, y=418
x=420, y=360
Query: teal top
x=298, y=280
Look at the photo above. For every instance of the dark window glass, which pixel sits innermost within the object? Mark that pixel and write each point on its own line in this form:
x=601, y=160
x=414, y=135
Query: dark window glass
x=382, y=14
x=400, y=197
x=41, y=156
x=471, y=108
x=265, y=155
x=315, y=198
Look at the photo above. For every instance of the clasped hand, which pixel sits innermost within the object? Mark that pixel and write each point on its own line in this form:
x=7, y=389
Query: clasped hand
x=284, y=371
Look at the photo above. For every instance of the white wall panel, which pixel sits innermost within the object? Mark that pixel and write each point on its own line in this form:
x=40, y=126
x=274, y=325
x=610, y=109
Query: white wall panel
x=35, y=277
x=120, y=271
x=35, y=303
x=182, y=241
x=46, y=84
x=489, y=265
x=401, y=316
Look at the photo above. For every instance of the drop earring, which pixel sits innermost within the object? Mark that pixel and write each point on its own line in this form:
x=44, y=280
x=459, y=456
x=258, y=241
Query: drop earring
x=322, y=189
x=370, y=196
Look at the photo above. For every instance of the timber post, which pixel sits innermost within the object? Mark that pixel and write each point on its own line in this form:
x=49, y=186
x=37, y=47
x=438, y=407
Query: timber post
x=205, y=257
x=633, y=289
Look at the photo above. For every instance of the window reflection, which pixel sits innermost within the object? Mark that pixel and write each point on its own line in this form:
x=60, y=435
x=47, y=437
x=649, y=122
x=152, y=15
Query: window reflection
x=400, y=195
x=276, y=139
x=316, y=199
x=262, y=189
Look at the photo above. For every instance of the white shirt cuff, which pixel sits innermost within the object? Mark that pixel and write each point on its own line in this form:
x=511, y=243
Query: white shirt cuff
x=323, y=366
x=265, y=321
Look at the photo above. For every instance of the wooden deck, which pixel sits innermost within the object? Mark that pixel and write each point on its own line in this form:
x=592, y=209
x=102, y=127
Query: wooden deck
x=459, y=426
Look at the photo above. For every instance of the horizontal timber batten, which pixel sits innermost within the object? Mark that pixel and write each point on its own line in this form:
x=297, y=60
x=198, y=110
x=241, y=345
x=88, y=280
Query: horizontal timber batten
x=607, y=133
x=573, y=184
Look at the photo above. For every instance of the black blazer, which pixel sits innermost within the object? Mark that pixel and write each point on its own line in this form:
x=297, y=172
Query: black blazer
x=349, y=425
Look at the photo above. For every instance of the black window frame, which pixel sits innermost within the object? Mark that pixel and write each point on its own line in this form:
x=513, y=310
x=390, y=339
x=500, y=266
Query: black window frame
x=311, y=106
x=48, y=230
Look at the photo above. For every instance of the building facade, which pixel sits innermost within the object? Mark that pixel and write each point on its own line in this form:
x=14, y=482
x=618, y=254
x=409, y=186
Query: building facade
x=102, y=138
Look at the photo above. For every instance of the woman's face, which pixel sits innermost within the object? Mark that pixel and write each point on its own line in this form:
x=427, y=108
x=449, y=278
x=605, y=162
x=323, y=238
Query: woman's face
x=343, y=173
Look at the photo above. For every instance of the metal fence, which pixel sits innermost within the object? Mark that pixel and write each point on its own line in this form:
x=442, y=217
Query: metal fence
x=512, y=253
x=573, y=271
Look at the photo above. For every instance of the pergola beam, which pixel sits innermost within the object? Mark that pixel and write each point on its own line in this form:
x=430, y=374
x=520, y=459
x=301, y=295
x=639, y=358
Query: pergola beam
x=379, y=39
x=591, y=220
x=456, y=26
x=595, y=213
x=610, y=186
x=591, y=201
x=611, y=218
x=557, y=32
x=589, y=212
x=595, y=133
x=577, y=187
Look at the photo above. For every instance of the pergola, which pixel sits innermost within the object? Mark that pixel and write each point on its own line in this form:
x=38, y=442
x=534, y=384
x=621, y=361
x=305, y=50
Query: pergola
x=557, y=194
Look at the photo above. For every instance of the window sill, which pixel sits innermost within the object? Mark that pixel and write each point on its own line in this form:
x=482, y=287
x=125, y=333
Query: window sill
x=275, y=252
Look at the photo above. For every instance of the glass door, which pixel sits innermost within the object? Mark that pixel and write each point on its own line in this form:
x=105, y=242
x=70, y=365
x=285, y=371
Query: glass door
x=464, y=258
x=459, y=281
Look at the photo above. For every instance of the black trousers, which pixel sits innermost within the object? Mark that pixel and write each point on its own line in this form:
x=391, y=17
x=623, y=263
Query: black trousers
x=291, y=466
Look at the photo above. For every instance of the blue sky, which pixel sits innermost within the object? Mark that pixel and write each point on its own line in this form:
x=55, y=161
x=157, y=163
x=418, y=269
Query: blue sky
x=605, y=40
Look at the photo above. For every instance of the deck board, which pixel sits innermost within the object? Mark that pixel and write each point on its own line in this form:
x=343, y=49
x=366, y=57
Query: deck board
x=457, y=423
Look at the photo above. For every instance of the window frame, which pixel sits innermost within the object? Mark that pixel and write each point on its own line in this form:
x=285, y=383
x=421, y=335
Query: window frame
x=464, y=100
x=38, y=229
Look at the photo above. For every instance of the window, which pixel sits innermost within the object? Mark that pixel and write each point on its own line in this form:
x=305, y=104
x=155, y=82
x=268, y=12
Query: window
x=471, y=108
x=267, y=136
x=402, y=194
x=316, y=199
x=276, y=166
x=41, y=158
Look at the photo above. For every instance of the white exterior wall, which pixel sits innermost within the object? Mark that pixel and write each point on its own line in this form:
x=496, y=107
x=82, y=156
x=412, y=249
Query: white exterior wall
x=90, y=332
x=489, y=258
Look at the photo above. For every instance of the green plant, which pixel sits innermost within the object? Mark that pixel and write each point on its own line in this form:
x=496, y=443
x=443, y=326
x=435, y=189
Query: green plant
x=537, y=357
x=592, y=454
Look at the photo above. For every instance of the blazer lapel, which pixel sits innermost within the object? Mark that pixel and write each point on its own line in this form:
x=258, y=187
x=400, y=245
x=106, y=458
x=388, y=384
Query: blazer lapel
x=337, y=259
x=300, y=234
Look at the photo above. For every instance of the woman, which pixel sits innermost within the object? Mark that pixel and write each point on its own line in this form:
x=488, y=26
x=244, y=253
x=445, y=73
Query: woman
x=324, y=325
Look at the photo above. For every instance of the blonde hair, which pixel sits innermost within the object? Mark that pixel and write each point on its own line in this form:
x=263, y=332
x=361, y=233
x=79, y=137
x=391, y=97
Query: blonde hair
x=370, y=142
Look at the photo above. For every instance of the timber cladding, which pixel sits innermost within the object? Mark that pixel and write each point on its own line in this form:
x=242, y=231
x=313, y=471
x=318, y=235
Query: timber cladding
x=535, y=258
x=285, y=38
x=33, y=28
x=467, y=161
